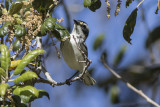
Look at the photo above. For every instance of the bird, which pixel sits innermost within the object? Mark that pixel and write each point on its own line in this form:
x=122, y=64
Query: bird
x=74, y=50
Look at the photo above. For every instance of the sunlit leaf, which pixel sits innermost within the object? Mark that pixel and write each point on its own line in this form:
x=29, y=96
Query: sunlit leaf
x=5, y=57
x=25, y=76
x=26, y=90
x=87, y=3
x=119, y=56
x=98, y=42
x=129, y=25
x=14, y=64
x=26, y=93
x=114, y=92
x=2, y=72
x=60, y=32
x=27, y=59
x=41, y=94
x=15, y=7
x=16, y=45
x=3, y=89
x=19, y=31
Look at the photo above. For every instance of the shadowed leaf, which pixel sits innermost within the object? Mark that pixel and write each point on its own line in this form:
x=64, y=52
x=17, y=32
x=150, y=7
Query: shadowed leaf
x=153, y=37
x=48, y=25
x=15, y=7
x=128, y=2
x=119, y=56
x=7, y=4
x=129, y=25
x=98, y=42
x=4, y=29
x=25, y=93
x=93, y=5
x=114, y=92
x=16, y=45
x=60, y=32
x=42, y=6
x=19, y=31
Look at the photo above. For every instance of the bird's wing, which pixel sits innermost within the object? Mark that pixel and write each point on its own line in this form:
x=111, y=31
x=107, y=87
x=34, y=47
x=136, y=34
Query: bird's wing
x=84, y=48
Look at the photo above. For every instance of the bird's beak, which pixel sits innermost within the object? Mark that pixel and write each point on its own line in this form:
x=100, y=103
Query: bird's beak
x=76, y=22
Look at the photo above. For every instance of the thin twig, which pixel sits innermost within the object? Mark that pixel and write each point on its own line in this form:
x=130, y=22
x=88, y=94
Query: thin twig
x=34, y=43
x=17, y=52
x=140, y=3
x=128, y=84
x=53, y=44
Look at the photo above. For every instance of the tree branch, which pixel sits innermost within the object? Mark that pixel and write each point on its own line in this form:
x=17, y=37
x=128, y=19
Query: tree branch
x=128, y=84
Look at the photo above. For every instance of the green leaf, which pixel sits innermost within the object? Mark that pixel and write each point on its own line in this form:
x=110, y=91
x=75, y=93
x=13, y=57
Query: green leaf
x=60, y=32
x=98, y=42
x=87, y=3
x=10, y=1
x=153, y=37
x=3, y=89
x=2, y=72
x=19, y=101
x=48, y=25
x=5, y=57
x=119, y=56
x=1, y=12
x=93, y=5
x=27, y=59
x=25, y=76
x=16, y=45
x=43, y=93
x=114, y=92
x=129, y=25
x=42, y=6
x=15, y=7
x=19, y=31
x=27, y=91
x=4, y=29
x=96, y=4
x=128, y=2
x=7, y=4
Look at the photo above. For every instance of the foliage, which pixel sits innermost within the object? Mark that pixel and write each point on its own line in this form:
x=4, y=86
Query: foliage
x=129, y=25
x=24, y=23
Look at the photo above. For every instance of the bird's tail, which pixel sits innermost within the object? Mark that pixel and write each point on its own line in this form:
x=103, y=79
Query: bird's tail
x=88, y=80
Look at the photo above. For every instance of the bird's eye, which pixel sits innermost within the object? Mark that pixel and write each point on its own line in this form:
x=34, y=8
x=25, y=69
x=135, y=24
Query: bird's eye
x=84, y=26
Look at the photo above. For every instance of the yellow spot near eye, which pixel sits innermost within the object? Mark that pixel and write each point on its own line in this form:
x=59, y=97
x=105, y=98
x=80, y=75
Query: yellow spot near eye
x=81, y=23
